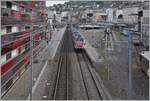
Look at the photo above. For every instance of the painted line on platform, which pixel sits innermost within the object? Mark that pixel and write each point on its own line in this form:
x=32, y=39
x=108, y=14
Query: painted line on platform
x=37, y=81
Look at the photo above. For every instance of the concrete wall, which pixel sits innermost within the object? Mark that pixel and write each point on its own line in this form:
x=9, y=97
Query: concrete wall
x=132, y=10
x=130, y=19
x=64, y=14
x=128, y=16
x=119, y=12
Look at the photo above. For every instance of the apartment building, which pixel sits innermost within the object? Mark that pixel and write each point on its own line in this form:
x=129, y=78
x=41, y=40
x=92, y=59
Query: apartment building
x=22, y=23
x=145, y=25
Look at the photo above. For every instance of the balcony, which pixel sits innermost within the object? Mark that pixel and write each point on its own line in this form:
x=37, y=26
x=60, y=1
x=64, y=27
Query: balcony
x=13, y=41
x=12, y=17
x=13, y=66
x=9, y=38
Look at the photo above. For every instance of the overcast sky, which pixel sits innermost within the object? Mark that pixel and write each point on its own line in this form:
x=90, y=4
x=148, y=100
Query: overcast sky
x=51, y=3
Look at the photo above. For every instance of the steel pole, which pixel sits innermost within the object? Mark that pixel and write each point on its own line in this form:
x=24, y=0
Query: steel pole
x=31, y=64
x=130, y=66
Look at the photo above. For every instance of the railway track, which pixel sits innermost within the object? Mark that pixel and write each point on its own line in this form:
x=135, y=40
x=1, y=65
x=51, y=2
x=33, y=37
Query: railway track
x=60, y=91
x=62, y=87
x=90, y=84
x=91, y=81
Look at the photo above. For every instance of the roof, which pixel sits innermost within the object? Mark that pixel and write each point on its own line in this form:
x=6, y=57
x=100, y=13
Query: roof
x=146, y=54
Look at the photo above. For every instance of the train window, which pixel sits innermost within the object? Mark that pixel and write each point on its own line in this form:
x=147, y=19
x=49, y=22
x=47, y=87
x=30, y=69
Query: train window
x=81, y=39
x=76, y=34
x=79, y=36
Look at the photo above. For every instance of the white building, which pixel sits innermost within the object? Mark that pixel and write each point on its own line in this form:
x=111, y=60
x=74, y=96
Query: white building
x=64, y=14
x=119, y=12
x=129, y=15
x=51, y=14
x=109, y=13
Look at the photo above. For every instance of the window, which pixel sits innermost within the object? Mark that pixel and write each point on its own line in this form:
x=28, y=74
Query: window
x=27, y=27
x=3, y=59
x=19, y=50
x=8, y=55
x=9, y=29
x=22, y=9
x=9, y=4
x=14, y=7
x=21, y=29
x=27, y=10
x=3, y=4
x=15, y=29
x=22, y=49
x=26, y=46
x=3, y=30
x=15, y=53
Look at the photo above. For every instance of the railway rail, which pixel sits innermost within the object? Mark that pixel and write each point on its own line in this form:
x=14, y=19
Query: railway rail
x=91, y=84
x=91, y=87
x=61, y=83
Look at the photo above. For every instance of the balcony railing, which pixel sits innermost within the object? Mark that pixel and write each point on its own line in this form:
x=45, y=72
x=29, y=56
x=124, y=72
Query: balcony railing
x=10, y=20
x=11, y=17
x=6, y=67
x=13, y=42
x=15, y=68
x=9, y=38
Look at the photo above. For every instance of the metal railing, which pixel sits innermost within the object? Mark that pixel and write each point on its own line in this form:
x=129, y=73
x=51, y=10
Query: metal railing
x=8, y=39
x=10, y=20
x=19, y=59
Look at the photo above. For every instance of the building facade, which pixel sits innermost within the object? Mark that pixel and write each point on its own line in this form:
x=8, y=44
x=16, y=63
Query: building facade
x=22, y=23
x=145, y=25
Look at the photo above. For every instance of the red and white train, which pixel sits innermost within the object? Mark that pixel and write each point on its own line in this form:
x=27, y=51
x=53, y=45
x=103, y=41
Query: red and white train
x=78, y=39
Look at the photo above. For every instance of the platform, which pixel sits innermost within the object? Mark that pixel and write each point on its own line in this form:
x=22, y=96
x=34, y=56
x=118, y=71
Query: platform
x=92, y=53
x=20, y=90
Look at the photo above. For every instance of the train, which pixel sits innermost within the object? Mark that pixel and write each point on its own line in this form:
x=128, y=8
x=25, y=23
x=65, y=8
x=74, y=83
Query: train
x=78, y=39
